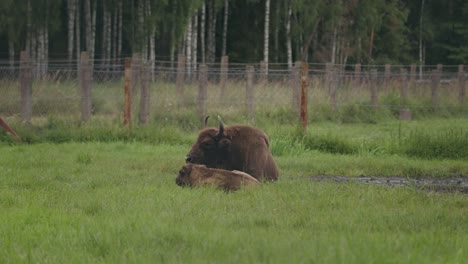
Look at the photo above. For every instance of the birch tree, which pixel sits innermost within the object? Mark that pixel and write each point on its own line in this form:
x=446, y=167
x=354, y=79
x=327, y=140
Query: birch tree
x=211, y=49
x=202, y=31
x=225, y=27
x=90, y=25
x=266, y=35
x=194, y=46
x=288, y=35
x=71, y=9
x=105, y=32
x=188, y=47
x=78, y=32
x=119, y=29
x=420, y=46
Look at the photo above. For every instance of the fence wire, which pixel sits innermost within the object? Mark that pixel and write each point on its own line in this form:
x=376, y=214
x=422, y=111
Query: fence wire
x=175, y=91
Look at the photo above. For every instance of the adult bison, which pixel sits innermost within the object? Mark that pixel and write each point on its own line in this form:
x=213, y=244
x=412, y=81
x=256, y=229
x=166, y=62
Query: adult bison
x=236, y=147
x=195, y=175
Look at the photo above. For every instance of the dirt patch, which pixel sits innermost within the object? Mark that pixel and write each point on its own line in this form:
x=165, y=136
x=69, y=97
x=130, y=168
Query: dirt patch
x=457, y=184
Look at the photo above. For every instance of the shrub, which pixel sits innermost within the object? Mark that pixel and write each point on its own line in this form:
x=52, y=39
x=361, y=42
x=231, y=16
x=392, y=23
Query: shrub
x=328, y=143
x=451, y=144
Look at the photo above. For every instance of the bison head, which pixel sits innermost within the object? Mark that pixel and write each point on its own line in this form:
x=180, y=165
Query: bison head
x=211, y=148
x=183, y=179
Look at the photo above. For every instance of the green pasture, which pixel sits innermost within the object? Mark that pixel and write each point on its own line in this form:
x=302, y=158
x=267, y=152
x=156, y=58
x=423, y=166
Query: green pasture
x=117, y=202
x=98, y=192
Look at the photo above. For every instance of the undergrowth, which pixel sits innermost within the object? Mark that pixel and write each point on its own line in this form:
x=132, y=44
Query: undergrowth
x=420, y=139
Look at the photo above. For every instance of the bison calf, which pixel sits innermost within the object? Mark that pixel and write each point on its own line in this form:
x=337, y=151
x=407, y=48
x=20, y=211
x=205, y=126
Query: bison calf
x=194, y=175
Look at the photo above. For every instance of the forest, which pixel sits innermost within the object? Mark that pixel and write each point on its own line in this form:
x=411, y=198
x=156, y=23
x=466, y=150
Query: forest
x=423, y=32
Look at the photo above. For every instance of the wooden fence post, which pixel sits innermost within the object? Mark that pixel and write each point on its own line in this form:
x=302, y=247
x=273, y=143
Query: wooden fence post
x=26, y=87
x=333, y=85
x=461, y=84
x=249, y=93
x=374, y=96
x=145, y=93
x=412, y=74
x=202, y=90
x=388, y=72
x=405, y=112
x=223, y=75
x=304, y=84
x=85, y=84
x=357, y=76
x=263, y=72
x=296, y=86
x=180, y=74
x=127, y=92
x=136, y=67
x=328, y=70
x=435, y=79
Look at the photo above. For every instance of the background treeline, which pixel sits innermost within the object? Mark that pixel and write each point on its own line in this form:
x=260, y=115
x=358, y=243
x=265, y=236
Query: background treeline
x=274, y=31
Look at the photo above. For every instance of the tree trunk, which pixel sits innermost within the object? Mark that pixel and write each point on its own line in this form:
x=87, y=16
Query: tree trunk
x=225, y=26
x=359, y=50
x=421, y=15
x=212, y=33
x=90, y=16
x=40, y=53
x=119, y=30
x=288, y=36
x=194, y=41
x=29, y=28
x=104, y=33
x=108, y=37
x=88, y=25
x=143, y=46
x=267, y=34
x=371, y=43
x=71, y=26
x=173, y=37
x=277, y=27
x=93, y=34
x=78, y=33
x=114, y=30
x=202, y=32
x=45, y=68
x=333, y=51
x=34, y=45
x=188, y=47
x=152, y=37
x=209, y=22
x=11, y=52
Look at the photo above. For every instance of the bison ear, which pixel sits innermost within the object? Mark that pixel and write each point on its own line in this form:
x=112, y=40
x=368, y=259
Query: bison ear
x=187, y=169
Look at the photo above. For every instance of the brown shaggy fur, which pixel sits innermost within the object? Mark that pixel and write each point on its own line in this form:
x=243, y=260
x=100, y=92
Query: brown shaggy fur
x=194, y=175
x=237, y=147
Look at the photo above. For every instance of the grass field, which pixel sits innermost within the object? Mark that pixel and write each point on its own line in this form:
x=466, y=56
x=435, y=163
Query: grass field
x=117, y=202
x=100, y=193
x=97, y=192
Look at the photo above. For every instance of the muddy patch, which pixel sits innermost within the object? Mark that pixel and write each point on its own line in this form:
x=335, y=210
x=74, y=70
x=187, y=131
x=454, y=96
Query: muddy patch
x=457, y=184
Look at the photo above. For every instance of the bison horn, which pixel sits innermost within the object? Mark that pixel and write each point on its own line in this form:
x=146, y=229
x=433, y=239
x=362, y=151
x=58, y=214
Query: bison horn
x=221, y=128
x=206, y=120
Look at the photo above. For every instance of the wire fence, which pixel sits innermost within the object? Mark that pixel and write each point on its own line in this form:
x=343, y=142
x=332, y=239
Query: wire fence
x=95, y=90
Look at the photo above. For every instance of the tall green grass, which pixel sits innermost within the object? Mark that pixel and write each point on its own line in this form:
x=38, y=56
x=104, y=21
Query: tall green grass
x=57, y=98
x=425, y=139
x=118, y=202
